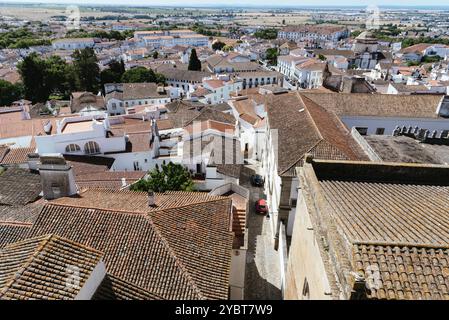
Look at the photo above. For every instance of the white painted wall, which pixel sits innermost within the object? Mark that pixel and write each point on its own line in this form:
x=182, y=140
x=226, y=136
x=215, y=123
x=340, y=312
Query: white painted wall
x=372, y=123
x=93, y=282
x=237, y=276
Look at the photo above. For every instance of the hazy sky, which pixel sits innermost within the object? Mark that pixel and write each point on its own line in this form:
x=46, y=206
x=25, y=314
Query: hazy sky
x=250, y=2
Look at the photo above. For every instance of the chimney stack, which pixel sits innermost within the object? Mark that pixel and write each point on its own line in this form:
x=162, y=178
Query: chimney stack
x=57, y=177
x=33, y=161
x=151, y=199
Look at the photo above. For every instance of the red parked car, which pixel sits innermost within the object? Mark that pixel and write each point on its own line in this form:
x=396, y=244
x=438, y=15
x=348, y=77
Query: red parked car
x=261, y=206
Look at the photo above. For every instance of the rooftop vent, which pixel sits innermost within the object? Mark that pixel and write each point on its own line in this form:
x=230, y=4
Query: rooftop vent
x=151, y=199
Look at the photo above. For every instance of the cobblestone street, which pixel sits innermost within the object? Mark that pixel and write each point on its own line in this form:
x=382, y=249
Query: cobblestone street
x=262, y=279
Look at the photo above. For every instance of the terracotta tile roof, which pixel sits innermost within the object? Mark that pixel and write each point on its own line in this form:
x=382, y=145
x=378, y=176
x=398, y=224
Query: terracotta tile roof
x=200, y=92
x=36, y=268
x=131, y=201
x=182, y=113
x=178, y=249
x=386, y=222
x=417, y=48
x=3, y=151
x=83, y=165
x=16, y=155
x=81, y=100
x=406, y=272
x=113, y=288
x=109, y=179
x=378, y=105
x=12, y=232
x=304, y=126
x=164, y=124
x=223, y=152
x=20, y=213
x=211, y=114
x=214, y=83
x=33, y=127
x=209, y=125
x=125, y=125
x=133, y=91
x=19, y=187
x=245, y=108
x=390, y=212
x=133, y=247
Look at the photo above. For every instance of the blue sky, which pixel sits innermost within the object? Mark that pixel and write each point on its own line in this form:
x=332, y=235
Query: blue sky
x=252, y=2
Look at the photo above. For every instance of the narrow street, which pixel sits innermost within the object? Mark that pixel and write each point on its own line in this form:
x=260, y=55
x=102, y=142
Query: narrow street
x=262, y=279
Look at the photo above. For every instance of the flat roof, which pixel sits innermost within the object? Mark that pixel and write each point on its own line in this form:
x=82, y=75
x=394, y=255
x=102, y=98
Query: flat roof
x=79, y=126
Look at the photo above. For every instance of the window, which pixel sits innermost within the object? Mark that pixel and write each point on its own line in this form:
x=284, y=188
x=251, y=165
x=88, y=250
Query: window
x=362, y=130
x=306, y=290
x=293, y=203
x=91, y=147
x=136, y=166
x=72, y=148
x=380, y=131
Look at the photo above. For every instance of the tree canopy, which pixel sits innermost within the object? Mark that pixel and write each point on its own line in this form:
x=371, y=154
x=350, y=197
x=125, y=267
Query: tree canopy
x=142, y=74
x=9, y=92
x=113, y=74
x=53, y=76
x=272, y=55
x=87, y=70
x=170, y=177
x=194, y=62
x=33, y=71
x=266, y=34
x=218, y=45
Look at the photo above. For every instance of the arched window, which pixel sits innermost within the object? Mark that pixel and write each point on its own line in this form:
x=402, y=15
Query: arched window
x=72, y=148
x=91, y=147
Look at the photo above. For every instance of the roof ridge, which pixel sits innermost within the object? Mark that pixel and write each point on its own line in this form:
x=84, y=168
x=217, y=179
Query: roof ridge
x=37, y=251
x=289, y=168
x=178, y=261
x=401, y=244
x=317, y=130
x=310, y=116
x=191, y=204
x=15, y=223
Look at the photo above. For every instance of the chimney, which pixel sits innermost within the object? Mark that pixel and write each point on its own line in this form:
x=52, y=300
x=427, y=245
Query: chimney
x=124, y=182
x=33, y=161
x=151, y=199
x=47, y=127
x=57, y=177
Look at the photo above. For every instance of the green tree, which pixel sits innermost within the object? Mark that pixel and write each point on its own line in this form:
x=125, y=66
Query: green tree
x=194, y=62
x=33, y=71
x=142, y=74
x=266, y=34
x=227, y=48
x=9, y=92
x=155, y=54
x=113, y=74
x=218, y=45
x=86, y=69
x=57, y=76
x=272, y=55
x=171, y=177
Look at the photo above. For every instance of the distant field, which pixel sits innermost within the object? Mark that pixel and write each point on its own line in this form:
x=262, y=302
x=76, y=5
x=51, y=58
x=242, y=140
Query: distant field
x=268, y=19
x=40, y=14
